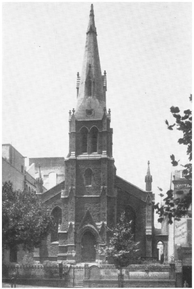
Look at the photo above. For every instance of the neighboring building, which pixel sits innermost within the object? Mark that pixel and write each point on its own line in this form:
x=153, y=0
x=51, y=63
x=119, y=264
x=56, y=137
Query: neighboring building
x=52, y=170
x=180, y=232
x=90, y=200
x=13, y=170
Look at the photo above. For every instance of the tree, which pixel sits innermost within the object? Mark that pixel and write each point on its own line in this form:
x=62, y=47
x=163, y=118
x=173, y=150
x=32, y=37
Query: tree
x=177, y=208
x=122, y=248
x=25, y=219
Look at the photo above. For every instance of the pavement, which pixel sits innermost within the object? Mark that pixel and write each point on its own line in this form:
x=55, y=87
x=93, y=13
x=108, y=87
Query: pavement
x=8, y=285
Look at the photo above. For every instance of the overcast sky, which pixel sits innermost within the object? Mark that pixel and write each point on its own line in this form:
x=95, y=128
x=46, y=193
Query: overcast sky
x=145, y=49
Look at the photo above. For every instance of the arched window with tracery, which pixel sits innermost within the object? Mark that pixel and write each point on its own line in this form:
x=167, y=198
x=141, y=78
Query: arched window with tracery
x=84, y=140
x=94, y=139
x=88, y=177
x=57, y=216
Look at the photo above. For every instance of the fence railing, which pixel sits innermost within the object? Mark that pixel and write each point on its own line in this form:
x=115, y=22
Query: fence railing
x=88, y=275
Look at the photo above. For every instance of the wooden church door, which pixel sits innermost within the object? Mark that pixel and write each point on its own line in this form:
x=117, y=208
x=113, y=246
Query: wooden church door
x=88, y=247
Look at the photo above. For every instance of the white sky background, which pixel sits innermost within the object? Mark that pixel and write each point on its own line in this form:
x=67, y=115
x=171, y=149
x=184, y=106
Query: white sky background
x=145, y=49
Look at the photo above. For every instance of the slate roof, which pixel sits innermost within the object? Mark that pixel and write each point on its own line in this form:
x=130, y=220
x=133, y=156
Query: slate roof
x=131, y=189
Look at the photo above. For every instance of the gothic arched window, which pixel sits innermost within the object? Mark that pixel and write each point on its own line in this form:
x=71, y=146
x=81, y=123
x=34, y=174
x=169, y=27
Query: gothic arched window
x=94, y=139
x=84, y=140
x=57, y=216
x=88, y=177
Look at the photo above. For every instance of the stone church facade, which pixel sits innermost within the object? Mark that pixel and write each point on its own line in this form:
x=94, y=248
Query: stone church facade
x=87, y=205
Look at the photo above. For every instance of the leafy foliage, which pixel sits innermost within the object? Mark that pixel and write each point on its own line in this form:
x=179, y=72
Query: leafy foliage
x=50, y=269
x=25, y=220
x=122, y=248
x=177, y=208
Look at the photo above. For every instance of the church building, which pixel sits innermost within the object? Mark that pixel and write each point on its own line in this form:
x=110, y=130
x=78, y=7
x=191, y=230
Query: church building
x=88, y=204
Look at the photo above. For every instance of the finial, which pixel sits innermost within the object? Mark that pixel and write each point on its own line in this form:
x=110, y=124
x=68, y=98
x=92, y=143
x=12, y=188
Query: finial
x=91, y=26
x=73, y=110
x=148, y=171
x=148, y=179
x=92, y=10
x=40, y=176
x=39, y=182
x=39, y=170
x=70, y=112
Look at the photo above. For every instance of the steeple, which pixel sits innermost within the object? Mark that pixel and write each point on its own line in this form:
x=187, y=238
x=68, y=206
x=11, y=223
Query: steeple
x=91, y=25
x=92, y=85
x=148, y=179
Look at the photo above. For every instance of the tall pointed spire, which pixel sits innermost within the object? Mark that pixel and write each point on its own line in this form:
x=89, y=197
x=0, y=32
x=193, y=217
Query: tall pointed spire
x=91, y=25
x=148, y=179
x=91, y=92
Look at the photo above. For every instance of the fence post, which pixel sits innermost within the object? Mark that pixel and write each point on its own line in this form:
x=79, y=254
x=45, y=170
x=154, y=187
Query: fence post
x=120, y=279
x=86, y=273
x=13, y=279
x=73, y=275
x=60, y=270
x=172, y=271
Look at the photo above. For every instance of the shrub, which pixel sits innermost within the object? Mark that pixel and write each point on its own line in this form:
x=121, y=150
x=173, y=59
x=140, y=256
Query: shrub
x=51, y=269
x=25, y=268
x=27, y=260
x=5, y=270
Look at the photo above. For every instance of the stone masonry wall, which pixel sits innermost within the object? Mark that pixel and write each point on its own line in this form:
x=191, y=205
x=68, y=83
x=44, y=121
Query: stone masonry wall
x=139, y=207
x=94, y=189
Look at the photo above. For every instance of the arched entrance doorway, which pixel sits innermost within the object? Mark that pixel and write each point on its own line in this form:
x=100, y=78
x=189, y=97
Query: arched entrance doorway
x=88, y=246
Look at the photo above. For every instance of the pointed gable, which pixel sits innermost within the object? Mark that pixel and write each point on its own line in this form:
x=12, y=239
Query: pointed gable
x=87, y=220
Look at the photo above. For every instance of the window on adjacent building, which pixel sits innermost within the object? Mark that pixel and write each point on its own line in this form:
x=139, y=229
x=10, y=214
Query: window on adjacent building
x=52, y=179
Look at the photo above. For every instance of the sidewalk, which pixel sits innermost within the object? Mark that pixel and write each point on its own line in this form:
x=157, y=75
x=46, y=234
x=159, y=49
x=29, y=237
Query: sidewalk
x=8, y=285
